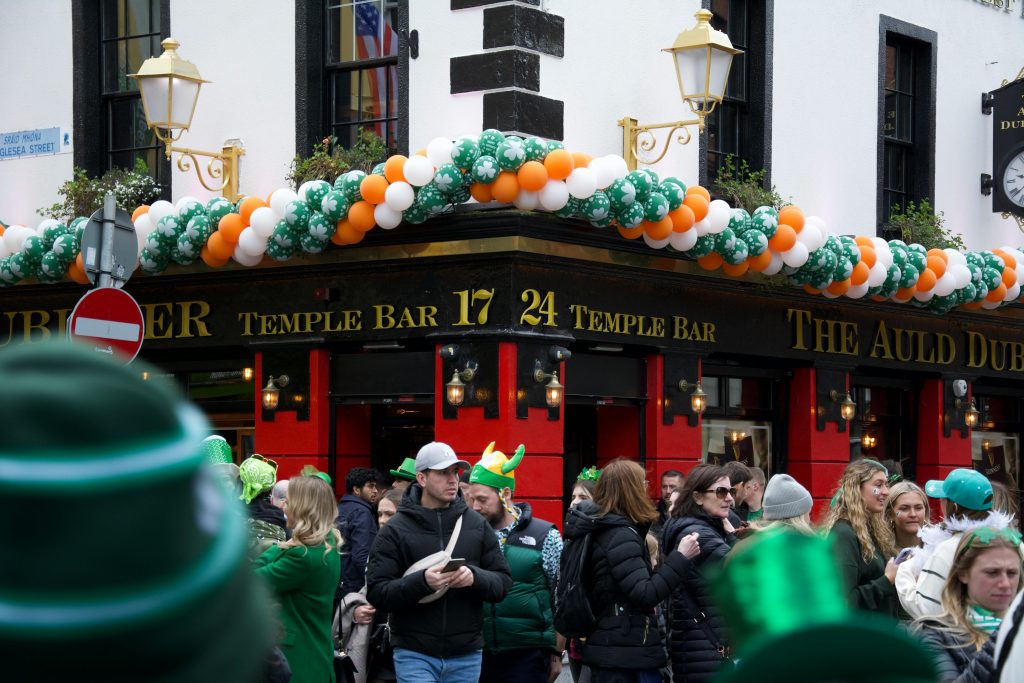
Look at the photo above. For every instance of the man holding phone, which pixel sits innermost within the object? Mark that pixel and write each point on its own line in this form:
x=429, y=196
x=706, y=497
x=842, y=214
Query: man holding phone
x=437, y=609
x=521, y=644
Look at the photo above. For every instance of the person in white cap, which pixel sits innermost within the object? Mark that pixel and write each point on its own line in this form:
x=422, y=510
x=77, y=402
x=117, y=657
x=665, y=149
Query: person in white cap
x=433, y=566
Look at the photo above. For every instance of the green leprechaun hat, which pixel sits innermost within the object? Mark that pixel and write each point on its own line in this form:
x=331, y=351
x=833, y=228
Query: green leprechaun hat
x=407, y=470
x=131, y=565
x=497, y=470
x=789, y=620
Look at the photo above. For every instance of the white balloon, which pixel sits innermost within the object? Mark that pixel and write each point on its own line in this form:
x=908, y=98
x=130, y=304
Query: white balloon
x=656, y=244
x=604, y=172
x=945, y=285
x=857, y=291
x=418, y=170
x=684, y=241
x=718, y=216
x=302, y=189
x=961, y=274
x=143, y=226
x=581, y=183
x=810, y=236
x=250, y=242
x=159, y=209
x=263, y=221
x=184, y=203
x=877, y=275
x=954, y=256
x=386, y=217
x=702, y=227
x=15, y=237
x=554, y=195
x=526, y=201
x=4, y=251
x=925, y=296
x=43, y=225
x=439, y=151
x=399, y=196
x=990, y=305
x=279, y=201
x=246, y=259
x=797, y=256
x=619, y=164
x=1012, y=293
x=775, y=265
x=882, y=252
x=829, y=295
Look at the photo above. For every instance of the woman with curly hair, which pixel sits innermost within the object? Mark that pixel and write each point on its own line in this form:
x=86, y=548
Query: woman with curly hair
x=863, y=539
x=303, y=572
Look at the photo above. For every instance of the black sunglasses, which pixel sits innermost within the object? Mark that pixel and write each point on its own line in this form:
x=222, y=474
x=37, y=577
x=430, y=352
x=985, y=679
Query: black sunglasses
x=721, y=492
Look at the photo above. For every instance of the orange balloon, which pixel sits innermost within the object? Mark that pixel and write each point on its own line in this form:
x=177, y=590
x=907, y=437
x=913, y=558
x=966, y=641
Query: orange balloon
x=868, y=256
x=209, y=259
x=581, y=159
x=783, y=239
x=76, y=272
x=360, y=216
x=250, y=204
x=394, y=168
x=697, y=189
x=997, y=294
x=532, y=176
x=811, y=290
x=926, y=280
x=659, y=230
x=972, y=305
x=862, y=241
x=481, y=192
x=792, y=216
x=219, y=246
x=347, y=234
x=683, y=218
x=421, y=152
x=559, y=164
x=839, y=287
x=1009, y=277
x=712, y=261
x=373, y=188
x=631, y=233
x=736, y=271
x=759, y=263
x=505, y=187
x=698, y=203
x=937, y=264
x=230, y=227
x=878, y=298
x=144, y=209
x=860, y=274
x=1007, y=258
x=906, y=292
x=940, y=253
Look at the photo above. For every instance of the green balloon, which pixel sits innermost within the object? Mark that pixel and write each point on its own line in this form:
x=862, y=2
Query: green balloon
x=52, y=267
x=320, y=228
x=655, y=207
x=843, y=269
x=739, y=221
x=7, y=276
x=555, y=144
x=280, y=252
x=705, y=245
x=465, y=152
x=485, y=169
x=631, y=216
x=190, y=210
x=431, y=198
x=416, y=214
x=335, y=205
x=621, y=193
x=736, y=255
x=151, y=262
x=296, y=214
x=33, y=250
x=766, y=222
x=317, y=190
x=448, y=178
x=602, y=222
x=510, y=154
x=311, y=244
x=168, y=228
x=156, y=244
x=908, y=276
x=217, y=208
x=673, y=193
x=597, y=207
x=571, y=209
x=756, y=241
x=536, y=148
x=642, y=182
x=489, y=141
x=65, y=247
x=378, y=170
x=282, y=236
x=187, y=247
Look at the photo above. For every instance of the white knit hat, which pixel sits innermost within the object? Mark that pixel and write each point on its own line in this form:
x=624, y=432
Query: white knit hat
x=785, y=498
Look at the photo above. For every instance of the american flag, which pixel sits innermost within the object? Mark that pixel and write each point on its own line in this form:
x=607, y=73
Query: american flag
x=375, y=38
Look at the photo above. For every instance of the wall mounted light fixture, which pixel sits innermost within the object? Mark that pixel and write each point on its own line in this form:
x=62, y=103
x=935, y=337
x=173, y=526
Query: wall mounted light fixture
x=272, y=392
x=847, y=408
x=247, y=374
x=699, y=400
x=553, y=390
x=455, y=390
x=971, y=412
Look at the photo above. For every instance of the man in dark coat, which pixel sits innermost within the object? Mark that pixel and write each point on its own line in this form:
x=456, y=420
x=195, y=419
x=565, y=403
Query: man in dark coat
x=436, y=615
x=357, y=523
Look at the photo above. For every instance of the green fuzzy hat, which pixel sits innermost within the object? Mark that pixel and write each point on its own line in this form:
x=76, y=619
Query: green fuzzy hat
x=497, y=470
x=407, y=470
x=155, y=581
x=789, y=619
x=258, y=475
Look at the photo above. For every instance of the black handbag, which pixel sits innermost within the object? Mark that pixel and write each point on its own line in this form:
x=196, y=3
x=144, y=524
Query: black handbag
x=344, y=668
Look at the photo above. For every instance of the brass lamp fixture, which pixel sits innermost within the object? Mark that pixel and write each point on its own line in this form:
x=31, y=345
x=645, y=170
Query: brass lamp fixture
x=170, y=88
x=455, y=390
x=553, y=390
x=247, y=374
x=699, y=400
x=272, y=392
x=971, y=414
x=703, y=57
x=847, y=408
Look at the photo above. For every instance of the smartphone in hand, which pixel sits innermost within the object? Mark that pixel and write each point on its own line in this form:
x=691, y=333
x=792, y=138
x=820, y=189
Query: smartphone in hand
x=453, y=564
x=904, y=555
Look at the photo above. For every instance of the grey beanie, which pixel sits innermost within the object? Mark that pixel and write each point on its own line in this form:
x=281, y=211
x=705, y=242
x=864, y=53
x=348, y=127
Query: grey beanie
x=784, y=498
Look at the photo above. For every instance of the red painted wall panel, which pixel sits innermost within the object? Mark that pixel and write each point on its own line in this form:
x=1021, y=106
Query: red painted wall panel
x=287, y=435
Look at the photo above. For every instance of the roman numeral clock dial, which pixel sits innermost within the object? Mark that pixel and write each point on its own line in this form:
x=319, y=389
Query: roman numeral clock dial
x=1013, y=180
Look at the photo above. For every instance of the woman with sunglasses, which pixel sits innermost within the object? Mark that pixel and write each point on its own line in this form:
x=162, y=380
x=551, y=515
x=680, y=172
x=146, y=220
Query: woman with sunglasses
x=698, y=645
x=862, y=539
x=983, y=581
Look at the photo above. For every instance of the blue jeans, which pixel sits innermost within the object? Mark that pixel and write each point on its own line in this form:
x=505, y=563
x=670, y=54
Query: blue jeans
x=415, y=667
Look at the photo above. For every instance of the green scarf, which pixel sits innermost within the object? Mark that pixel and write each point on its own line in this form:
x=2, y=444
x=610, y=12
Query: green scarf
x=983, y=619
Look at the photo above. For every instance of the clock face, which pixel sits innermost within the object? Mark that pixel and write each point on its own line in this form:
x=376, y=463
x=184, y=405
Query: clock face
x=1013, y=179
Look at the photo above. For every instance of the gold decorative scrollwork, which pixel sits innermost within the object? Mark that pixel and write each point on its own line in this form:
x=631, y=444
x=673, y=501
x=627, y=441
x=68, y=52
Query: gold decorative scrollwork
x=215, y=169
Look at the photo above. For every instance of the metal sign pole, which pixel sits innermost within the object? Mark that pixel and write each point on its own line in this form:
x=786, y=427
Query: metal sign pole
x=107, y=242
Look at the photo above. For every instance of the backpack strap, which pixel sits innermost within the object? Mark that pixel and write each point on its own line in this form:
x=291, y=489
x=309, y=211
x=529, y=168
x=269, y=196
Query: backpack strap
x=450, y=548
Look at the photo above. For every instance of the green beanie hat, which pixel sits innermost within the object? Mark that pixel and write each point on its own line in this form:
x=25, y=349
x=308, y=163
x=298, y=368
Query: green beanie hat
x=495, y=469
x=789, y=619
x=258, y=475
x=154, y=581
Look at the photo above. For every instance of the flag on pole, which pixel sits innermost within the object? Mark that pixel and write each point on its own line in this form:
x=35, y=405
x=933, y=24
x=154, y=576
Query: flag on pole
x=375, y=38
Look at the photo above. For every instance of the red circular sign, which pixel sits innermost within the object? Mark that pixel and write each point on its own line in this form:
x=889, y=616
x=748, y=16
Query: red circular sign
x=110, y=321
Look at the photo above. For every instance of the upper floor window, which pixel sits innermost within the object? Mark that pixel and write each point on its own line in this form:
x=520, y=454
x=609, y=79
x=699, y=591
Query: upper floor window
x=728, y=126
x=361, y=69
x=130, y=33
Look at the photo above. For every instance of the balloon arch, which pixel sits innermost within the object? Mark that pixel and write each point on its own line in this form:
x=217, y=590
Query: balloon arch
x=534, y=174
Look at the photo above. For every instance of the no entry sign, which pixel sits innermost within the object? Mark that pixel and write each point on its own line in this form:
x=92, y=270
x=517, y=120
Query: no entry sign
x=110, y=321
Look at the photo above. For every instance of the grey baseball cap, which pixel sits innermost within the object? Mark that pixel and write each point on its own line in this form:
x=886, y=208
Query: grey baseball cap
x=438, y=456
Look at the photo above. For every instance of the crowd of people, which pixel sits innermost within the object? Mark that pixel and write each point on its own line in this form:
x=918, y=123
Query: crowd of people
x=438, y=573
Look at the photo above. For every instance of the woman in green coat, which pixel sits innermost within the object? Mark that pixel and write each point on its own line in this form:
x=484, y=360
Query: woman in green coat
x=303, y=572
x=863, y=541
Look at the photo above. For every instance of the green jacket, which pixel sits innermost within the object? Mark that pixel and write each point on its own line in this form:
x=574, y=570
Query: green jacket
x=868, y=588
x=304, y=580
x=524, y=619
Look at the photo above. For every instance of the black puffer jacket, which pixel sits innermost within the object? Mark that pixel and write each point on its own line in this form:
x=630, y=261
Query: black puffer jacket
x=623, y=591
x=956, y=658
x=698, y=631
x=452, y=625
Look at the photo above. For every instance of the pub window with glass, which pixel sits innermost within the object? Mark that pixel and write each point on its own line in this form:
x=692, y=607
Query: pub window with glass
x=738, y=423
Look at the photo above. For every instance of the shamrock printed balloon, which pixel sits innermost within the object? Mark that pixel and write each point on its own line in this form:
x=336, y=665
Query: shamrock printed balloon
x=188, y=209
x=448, y=178
x=316, y=190
x=278, y=251
x=65, y=247
x=217, y=208
x=555, y=144
x=461, y=195
x=52, y=267
x=157, y=244
x=416, y=214
x=320, y=228
x=378, y=169
x=282, y=236
x=311, y=244
x=350, y=185
x=673, y=193
x=187, y=247
x=843, y=268
x=167, y=229
x=756, y=241
x=32, y=249
x=510, y=154
x=737, y=254
x=704, y=246
x=51, y=233
x=152, y=262
x=536, y=148
x=642, y=182
x=908, y=275
x=655, y=207
x=489, y=141
x=571, y=209
x=465, y=152
x=739, y=221
x=296, y=214
x=335, y=206
x=485, y=169
x=621, y=193
x=596, y=207
x=602, y=222
x=431, y=198
x=631, y=216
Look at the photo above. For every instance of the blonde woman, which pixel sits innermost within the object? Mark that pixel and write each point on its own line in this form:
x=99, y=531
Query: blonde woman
x=786, y=505
x=982, y=583
x=907, y=511
x=862, y=539
x=303, y=572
